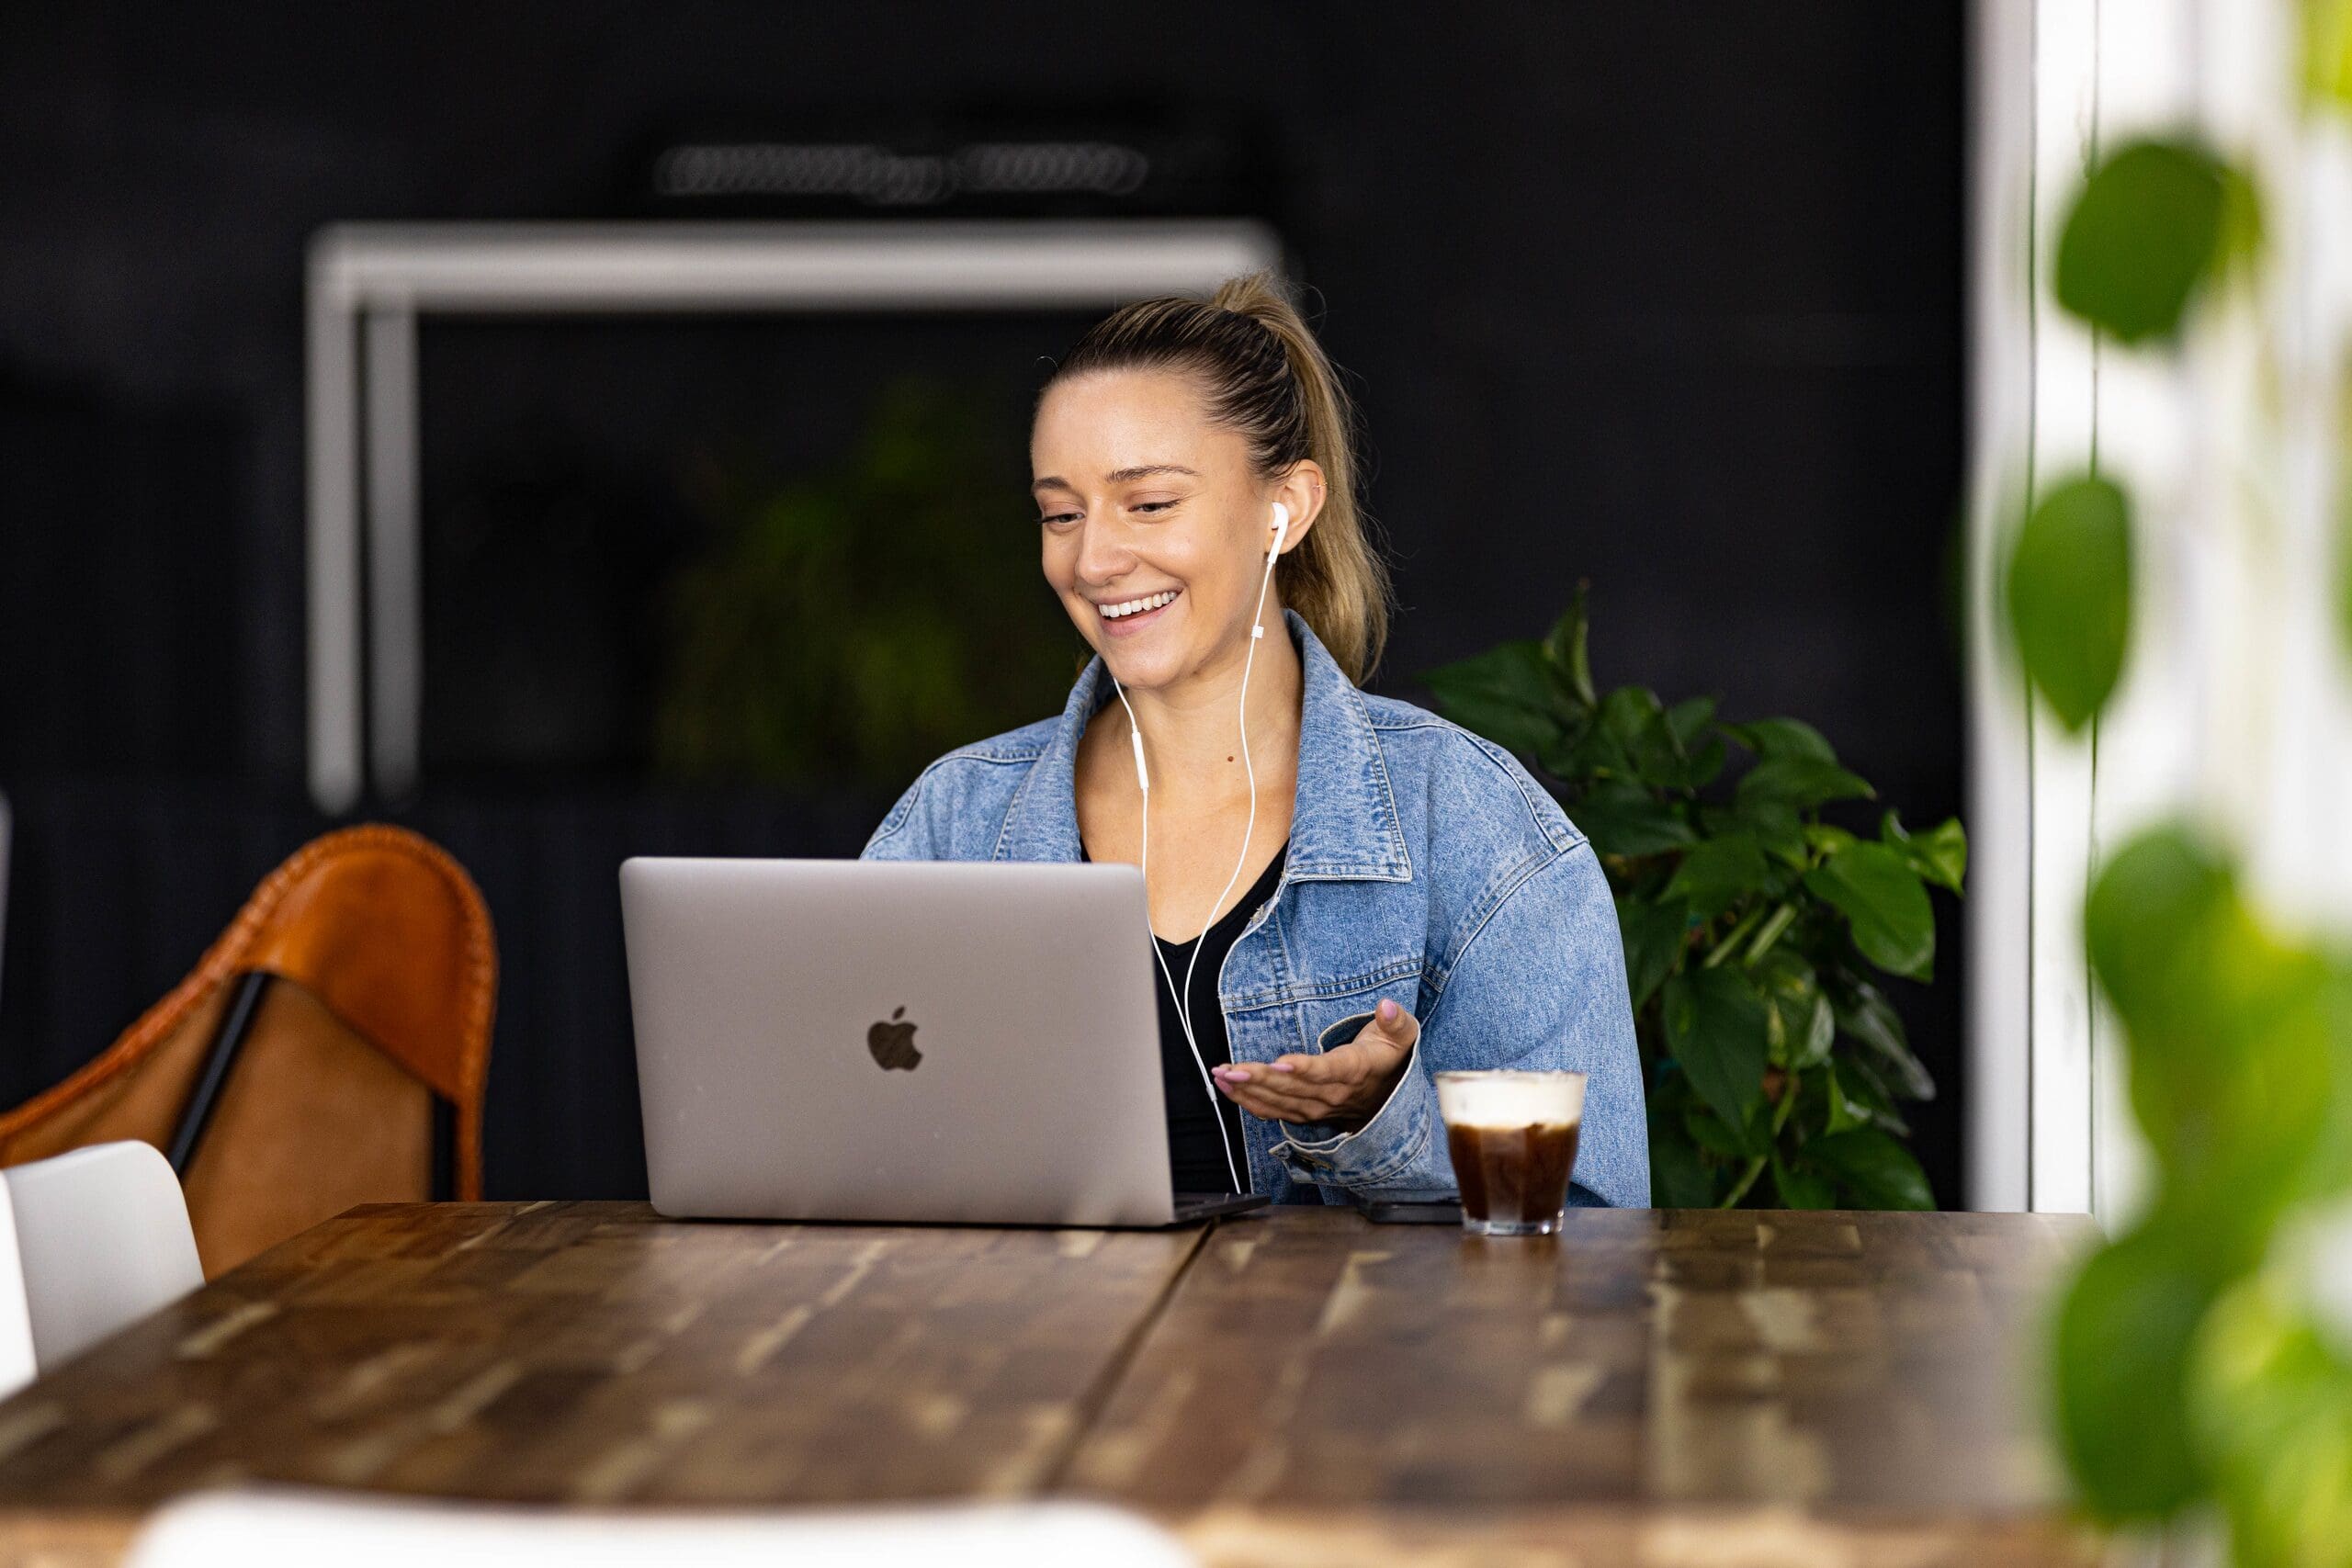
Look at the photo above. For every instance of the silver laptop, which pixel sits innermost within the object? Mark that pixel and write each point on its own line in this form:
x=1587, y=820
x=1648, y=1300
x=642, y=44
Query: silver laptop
x=859, y=1040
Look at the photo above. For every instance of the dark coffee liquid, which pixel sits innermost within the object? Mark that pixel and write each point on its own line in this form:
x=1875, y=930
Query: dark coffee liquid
x=1512, y=1175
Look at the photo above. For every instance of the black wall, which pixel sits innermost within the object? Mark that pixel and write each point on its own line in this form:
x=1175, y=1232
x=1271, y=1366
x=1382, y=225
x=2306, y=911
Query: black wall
x=1668, y=297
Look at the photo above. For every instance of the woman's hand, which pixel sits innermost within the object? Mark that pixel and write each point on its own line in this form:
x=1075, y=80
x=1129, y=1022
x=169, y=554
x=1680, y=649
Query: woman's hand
x=1344, y=1085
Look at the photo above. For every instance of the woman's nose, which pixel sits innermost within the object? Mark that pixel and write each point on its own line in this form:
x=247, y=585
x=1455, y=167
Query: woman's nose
x=1103, y=554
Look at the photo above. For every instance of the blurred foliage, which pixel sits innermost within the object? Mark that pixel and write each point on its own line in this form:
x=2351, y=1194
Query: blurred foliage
x=2155, y=222
x=2193, y=1361
x=2327, y=50
x=2186, y=1368
x=1752, y=928
x=849, y=625
x=2069, y=594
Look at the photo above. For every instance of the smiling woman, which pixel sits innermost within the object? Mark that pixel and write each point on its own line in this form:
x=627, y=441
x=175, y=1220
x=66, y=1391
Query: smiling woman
x=1419, y=903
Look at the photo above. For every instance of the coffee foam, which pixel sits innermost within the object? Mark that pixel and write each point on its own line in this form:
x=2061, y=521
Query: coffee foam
x=1510, y=1099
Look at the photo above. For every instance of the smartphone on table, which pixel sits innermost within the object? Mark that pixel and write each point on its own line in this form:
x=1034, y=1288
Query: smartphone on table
x=1410, y=1206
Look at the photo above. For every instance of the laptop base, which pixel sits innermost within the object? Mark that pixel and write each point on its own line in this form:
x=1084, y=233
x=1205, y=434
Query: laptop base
x=1194, y=1207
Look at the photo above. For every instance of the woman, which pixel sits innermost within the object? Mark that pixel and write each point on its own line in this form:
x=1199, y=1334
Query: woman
x=1349, y=893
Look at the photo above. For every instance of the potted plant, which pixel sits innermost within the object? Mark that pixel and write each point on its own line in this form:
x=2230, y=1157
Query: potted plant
x=1755, y=930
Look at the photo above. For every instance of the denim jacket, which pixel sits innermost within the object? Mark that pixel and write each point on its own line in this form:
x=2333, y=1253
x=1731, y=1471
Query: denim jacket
x=1425, y=865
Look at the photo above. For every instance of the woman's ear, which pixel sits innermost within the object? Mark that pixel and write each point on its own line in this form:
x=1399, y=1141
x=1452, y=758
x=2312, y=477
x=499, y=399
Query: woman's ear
x=1301, y=491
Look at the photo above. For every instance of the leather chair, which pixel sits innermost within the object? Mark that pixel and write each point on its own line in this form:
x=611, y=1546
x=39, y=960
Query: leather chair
x=330, y=1050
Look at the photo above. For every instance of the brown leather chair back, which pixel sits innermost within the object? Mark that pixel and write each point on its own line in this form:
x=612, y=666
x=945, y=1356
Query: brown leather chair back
x=330, y=1049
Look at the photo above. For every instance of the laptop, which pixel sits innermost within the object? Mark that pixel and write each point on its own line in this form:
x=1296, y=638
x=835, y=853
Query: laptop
x=899, y=1042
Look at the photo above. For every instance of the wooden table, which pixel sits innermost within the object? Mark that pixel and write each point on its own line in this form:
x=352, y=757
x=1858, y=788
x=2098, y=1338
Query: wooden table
x=1298, y=1386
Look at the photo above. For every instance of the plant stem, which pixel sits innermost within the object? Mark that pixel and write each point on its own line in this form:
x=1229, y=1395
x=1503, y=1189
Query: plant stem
x=1783, y=917
x=1733, y=938
x=1747, y=1180
x=1756, y=1166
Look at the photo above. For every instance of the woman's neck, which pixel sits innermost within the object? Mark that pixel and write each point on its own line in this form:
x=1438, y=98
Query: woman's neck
x=1190, y=733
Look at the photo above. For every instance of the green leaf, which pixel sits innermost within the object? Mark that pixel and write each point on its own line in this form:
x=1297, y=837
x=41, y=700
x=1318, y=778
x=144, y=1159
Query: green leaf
x=2270, y=1402
x=1679, y=1178
x=1802, y=1024
x=1801, y=782
x=1621, y=818
x=1778, y=831
x=1864, y=1087
x=2327, y=51
x=1506, y=694
x=1845, y=1115
x=1564, y=646
x=2153, y=920
x=1885, y=905
x=2241, y=223
x=1812, y=1048
x=1864, y=1013
x=2124, y=1336
x=2232, y=1036
x=1711, y=1132
x=1874, y=1169
x=1716, y=1027
x=1688, y=718
x=1770, y=738
x=1634, y=719
x=1706, y=762
x=1939, y=855
x=1653, y=934
x=1827, y=837
x=2069, y=596
x=2149, y=227
x=1801, y=1187
x=1718, y=873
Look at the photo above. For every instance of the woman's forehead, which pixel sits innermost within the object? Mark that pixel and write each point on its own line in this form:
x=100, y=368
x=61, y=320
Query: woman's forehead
x=1099, y=427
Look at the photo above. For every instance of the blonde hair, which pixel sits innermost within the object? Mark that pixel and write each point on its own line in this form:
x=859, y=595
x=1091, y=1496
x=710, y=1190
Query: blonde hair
x=1267, y=378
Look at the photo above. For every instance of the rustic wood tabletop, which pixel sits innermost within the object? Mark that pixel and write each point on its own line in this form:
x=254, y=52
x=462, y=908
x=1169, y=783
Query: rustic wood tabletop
x=1296, y=1385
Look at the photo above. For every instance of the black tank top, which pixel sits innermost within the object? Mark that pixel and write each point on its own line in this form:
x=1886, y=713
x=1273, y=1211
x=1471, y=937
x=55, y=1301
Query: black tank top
x=1195, y=1153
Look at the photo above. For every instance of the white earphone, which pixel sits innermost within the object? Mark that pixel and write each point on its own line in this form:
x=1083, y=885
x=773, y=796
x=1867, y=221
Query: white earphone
x=1183, y=994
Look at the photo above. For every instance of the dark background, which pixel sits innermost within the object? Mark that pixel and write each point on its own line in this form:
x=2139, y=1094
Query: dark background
x=1666, y=297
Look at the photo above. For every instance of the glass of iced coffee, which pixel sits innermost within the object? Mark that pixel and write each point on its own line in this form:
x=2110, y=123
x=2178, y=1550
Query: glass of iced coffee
x=1514, y=1139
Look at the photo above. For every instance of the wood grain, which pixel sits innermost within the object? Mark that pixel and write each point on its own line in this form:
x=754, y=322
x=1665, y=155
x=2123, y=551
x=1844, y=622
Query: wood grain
x=1822, y=1359
x=1296, y=1387
x=590, y=1353
x=1611, y=1535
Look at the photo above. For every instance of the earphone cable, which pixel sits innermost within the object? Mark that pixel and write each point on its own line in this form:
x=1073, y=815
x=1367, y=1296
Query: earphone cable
x=1257, y=629
x=1183, y=1013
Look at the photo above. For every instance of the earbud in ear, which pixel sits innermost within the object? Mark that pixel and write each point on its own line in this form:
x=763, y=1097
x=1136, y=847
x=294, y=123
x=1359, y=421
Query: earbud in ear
x=1282, y=526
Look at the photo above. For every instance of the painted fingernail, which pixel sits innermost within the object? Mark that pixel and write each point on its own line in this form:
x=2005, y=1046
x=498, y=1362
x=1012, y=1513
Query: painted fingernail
x=1236, y=1074
x=1387, y=1011
x=1283, y=1067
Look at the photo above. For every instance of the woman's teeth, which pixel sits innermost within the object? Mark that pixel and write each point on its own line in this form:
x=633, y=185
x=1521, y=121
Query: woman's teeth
x=1136, y=606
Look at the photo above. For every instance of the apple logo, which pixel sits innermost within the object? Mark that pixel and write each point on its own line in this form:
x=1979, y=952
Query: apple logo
x=893, y=1044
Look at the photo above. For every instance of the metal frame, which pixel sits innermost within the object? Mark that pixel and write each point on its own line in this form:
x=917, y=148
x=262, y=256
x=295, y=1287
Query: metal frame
x=368, y=283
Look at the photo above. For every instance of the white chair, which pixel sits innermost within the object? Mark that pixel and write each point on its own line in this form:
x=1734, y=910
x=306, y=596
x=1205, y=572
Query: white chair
x=89, y=1241
x=257, y=1528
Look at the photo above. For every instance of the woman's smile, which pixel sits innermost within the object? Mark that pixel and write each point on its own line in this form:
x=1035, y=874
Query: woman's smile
x=1125, y=618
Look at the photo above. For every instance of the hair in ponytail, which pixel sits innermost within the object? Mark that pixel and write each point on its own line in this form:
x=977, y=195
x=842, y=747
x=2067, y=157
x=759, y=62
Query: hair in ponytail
x=1266, y=378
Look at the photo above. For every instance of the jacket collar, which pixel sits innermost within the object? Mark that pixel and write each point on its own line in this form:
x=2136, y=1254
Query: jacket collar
x=1343, y=819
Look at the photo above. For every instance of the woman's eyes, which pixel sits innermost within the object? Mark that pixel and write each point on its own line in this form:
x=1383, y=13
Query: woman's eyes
x=1053, y=519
